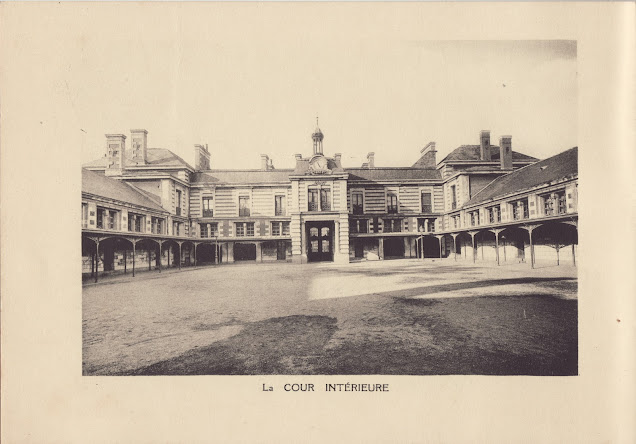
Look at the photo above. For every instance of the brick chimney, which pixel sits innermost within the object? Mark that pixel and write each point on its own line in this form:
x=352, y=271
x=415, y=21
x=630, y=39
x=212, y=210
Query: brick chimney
x=371, y=160
x=139, y=142
x=428, y=157
x=201, y=157
x=505, y=152
x=484, y=146
x=265, y=162
x=115, y=154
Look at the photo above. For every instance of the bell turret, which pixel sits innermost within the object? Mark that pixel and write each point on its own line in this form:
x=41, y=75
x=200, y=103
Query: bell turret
x=317, y=137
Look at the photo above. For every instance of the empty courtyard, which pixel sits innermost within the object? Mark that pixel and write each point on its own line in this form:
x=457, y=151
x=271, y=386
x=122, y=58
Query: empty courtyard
x=409, y=317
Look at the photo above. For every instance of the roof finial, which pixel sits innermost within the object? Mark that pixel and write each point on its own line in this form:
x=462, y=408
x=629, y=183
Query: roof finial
x=317, y=120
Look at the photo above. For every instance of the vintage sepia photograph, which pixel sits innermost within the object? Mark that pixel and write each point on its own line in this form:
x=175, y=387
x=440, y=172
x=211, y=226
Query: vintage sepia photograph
x=317, y=222
x=380, y=208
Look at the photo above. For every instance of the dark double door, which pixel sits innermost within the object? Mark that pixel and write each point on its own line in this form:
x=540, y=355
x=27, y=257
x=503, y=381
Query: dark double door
x=319, y=241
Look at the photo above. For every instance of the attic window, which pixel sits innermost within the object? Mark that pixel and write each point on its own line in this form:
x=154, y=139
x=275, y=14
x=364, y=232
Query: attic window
x=543, y=167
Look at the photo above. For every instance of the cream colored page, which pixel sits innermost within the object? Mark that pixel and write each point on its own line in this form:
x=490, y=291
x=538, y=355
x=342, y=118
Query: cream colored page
x=58, y=62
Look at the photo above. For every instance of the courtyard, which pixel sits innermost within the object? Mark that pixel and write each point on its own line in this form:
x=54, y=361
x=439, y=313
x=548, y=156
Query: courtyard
x=409, y=317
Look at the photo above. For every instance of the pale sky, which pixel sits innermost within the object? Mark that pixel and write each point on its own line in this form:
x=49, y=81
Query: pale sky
x=247, y=86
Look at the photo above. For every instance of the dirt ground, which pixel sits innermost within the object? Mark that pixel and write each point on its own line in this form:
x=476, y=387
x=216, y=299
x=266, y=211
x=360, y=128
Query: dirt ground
x=392, y=317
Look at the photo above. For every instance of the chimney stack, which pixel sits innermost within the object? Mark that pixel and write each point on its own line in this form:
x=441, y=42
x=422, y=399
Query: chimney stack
x=139, y=143
x=337, y=157
x=201, y=157
x=428, y=156
x=484, y=146
x=371, y=160
x=264, y=162
x=505, y=152
x=115, y=154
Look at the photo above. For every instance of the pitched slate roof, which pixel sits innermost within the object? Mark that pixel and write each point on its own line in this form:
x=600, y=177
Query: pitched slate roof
x=100, y=185
x=553, y=168
x=473, y=152
x=388, y=174
x=241, y=176
x=155, y=157
x=275, y=176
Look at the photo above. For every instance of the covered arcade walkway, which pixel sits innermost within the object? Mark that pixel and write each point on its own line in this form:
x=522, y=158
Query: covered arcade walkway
x=548, y=240
x=107, y=252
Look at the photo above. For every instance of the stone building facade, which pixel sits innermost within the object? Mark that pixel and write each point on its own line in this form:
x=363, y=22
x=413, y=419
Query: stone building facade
x=148, y=206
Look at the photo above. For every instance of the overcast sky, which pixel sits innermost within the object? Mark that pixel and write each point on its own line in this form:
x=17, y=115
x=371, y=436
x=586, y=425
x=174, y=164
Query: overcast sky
x=247, y=86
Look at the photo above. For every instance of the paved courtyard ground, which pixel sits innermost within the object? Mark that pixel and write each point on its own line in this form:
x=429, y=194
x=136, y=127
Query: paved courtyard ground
x=392, y=317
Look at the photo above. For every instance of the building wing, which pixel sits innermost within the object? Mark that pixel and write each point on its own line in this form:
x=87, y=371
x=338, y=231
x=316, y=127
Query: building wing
x=561, y=166
x=102, y=186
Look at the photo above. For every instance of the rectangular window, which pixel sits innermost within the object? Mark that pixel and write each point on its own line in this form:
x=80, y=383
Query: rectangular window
x=135, y=222
x=520, y=209
x=208, y=210
x=474, y=218
x=214, y=229
x=562, y=206
x=426, y=225
x=453, y=197
x=156, y=225
x=357, y=203
x=107, y=219
x=279, y=205
x=494, y=214
x=456, y=222
x=427, y=202
x=276, y=229
x=244, y=229
x=111, y=220
x=244, y=206
x=359, y=226
x=392, y=225
x=100, y=218
x=176, y=228
x=554, y=203
x=313, y=200
x=325, y=199
x=204, y=230
x=280, y=228
x=178, y=202
x=392, y=203
x=84, y=215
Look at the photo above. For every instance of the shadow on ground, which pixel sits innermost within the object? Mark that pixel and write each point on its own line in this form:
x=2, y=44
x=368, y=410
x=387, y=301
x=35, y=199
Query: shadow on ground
x=511, y=335
x=273, y=346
